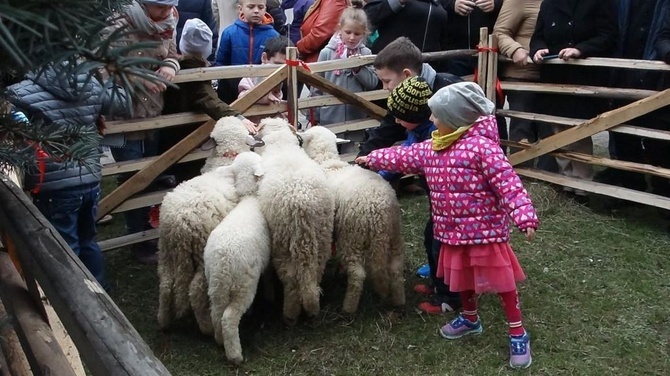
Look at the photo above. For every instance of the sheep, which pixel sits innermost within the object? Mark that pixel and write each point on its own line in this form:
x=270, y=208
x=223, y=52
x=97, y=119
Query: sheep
x=187, y=217
x=230, y=137
x=237, y=253
x=299, y=209
x=367, y=217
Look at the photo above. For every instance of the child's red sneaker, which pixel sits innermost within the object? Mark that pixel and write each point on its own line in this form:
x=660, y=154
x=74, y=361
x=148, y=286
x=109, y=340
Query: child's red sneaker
x=423, y=289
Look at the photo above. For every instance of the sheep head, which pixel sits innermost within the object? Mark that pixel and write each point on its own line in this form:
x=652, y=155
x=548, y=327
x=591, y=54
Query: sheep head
x=231, y=137
x=320, y=144
x=248, y=170
x=277, y=131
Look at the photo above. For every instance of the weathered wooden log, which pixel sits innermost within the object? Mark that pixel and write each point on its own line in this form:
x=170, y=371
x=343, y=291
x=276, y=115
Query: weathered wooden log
x=37, y=340
x=108, y=343
x=13, y=359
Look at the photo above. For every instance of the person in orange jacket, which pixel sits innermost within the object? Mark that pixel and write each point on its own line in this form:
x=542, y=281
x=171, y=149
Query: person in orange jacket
x=318, y=27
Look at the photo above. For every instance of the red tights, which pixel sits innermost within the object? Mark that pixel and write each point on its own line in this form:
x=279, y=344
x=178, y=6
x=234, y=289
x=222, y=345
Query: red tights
x=510, y=303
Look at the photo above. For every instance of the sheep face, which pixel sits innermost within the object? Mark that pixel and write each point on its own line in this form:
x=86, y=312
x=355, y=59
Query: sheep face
x=320, y=144
x=248, y=171
x=276, y=131
x=231, y=136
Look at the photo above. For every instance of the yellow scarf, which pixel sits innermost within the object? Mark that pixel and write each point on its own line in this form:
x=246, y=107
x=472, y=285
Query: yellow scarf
x=441, y=142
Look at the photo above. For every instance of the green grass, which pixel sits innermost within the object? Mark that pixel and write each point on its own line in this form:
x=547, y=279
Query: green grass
x=595, y=302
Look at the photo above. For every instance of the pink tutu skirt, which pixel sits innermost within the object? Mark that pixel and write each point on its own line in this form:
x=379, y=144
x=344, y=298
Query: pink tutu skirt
x=479, y=268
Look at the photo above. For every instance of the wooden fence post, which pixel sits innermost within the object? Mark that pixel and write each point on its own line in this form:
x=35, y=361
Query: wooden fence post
x=293, y=95
x=491, y=69
x=482, y=57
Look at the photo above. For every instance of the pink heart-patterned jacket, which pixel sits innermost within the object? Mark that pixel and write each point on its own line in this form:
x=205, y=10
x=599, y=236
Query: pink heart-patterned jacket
x=473, y=188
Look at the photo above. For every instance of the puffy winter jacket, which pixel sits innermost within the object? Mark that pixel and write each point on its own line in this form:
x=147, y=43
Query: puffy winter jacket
x=319, y=24
x=58, y=99
x=473, y=188
x=242, y=43
x=299, y=9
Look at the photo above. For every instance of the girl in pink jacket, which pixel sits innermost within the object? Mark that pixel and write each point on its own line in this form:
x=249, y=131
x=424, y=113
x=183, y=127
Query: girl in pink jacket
x=473, y=192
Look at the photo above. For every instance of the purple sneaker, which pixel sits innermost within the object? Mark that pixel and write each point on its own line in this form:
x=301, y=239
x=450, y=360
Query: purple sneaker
x=519, y=351
x=460, y=327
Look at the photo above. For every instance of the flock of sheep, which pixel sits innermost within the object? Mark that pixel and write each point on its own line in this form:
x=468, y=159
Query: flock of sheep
x=282, y=207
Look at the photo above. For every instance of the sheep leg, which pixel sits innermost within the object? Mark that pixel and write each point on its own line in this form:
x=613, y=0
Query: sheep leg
x=230, y=321
x=396, y=266
x=355, y=281
x=377, y=264
x=200, y=301
x=217, y=308
x=165, y=295
x=291, y=303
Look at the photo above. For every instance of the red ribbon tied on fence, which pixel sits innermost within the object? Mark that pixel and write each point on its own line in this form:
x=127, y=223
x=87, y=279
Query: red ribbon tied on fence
x=500, y=95
x=42, y=157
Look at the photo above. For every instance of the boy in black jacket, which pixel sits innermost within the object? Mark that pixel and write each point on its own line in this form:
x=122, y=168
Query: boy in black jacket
x=400, y=60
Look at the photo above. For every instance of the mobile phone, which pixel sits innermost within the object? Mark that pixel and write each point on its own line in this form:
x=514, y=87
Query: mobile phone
x=549, y=57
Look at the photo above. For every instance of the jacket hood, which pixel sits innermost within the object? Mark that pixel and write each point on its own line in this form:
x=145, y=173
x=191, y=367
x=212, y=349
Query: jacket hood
x=267, y=21
x=63, y=85
x=485, y=126
x=428, y=74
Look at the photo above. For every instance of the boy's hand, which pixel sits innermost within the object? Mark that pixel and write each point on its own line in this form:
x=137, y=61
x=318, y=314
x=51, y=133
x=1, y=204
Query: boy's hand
x=520, y=57
x=530, y=233
x=167, y=73
x=464, y=7
x=486, y=5
x=567, y=53
x=251, y=126
x=539, y=55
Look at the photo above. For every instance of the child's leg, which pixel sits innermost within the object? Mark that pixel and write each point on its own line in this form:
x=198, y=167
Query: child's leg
x=510, y=303
x=469, y=303
x=89, y=250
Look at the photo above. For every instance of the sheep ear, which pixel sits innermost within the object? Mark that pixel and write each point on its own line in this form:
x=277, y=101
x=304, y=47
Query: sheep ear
x=306, y=137
x=254, y=142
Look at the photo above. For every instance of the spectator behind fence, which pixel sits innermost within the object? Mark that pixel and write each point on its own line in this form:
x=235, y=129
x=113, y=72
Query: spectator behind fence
x=201, y=9
x=424, y=22
x=67, y=193
x=398, y=61
x=641, y=36
x=347, y=42
x=474, y=194
x=225, y=13
x=274, y=53
x=318, y=26
x=513, y=30
x=243, y=43
x=571, y=29
x=197, y=96
x=299, y=8
x=154, y=21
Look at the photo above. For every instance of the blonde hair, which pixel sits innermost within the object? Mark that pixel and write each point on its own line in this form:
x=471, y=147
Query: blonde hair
x=356, y=14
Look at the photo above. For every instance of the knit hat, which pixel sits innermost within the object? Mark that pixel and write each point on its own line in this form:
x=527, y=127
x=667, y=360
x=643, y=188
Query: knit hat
x=173, y=3
x=409, y=100
x=460, y=104
x=196, y=38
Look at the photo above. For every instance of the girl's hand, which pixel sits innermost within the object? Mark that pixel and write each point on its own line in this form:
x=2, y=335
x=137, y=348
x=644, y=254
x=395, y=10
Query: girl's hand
x=520, y=57
x=154, y=87
x=464, y=7
x=273, y=98
x=568, y=53
x=361, y=161
x=167, y=73
x=539, y=55
x=530, y=233
x=251, y=126
x=486, y=5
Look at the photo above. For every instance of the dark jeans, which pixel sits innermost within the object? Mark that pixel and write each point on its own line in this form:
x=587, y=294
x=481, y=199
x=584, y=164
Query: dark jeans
x=137, y=220
x=72, y=212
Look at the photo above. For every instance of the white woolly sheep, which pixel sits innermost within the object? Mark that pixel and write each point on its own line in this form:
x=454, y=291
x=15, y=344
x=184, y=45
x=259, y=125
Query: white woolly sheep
x=230, y=137
x=237, y=253
x=299, y=208
x=367, y=222
x=187, y=217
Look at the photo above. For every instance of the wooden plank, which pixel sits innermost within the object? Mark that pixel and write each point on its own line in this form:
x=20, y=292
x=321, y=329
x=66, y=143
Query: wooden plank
x=108, y=343
x=16, y=363
x=266, y=109
x=343, y=94
x=126, y=240
x=37, y=340
x=589, y=91
x=641, y=168
x=328, y=100
x=623, y=128
x=442, y=55
x=142, y=201
x=293, y=94
x=138, y=164
x=163, y=121
x=601, y=123
x=353, y=125
x=492, y=70
x=598, y=188
x=482, y=58
x=144, y=177
x=614, y=63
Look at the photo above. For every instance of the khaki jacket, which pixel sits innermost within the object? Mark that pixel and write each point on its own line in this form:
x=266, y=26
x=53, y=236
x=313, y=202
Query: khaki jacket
x=513, y=29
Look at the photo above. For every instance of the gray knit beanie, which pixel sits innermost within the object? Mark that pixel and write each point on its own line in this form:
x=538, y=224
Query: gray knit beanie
x=173, y=3
x=460, y=104
x=196, y=38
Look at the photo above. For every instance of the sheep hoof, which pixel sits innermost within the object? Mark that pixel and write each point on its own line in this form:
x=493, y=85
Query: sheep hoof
x=236, y=360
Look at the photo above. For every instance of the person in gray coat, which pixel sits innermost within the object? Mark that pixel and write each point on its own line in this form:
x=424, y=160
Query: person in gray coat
x=67, y=193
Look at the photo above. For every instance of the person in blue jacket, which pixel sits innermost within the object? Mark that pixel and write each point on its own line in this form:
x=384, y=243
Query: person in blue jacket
x=243, y=42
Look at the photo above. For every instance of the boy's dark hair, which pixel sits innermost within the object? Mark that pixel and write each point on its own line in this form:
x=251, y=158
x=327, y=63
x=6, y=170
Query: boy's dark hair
x=277, y=45
x=399, y=55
